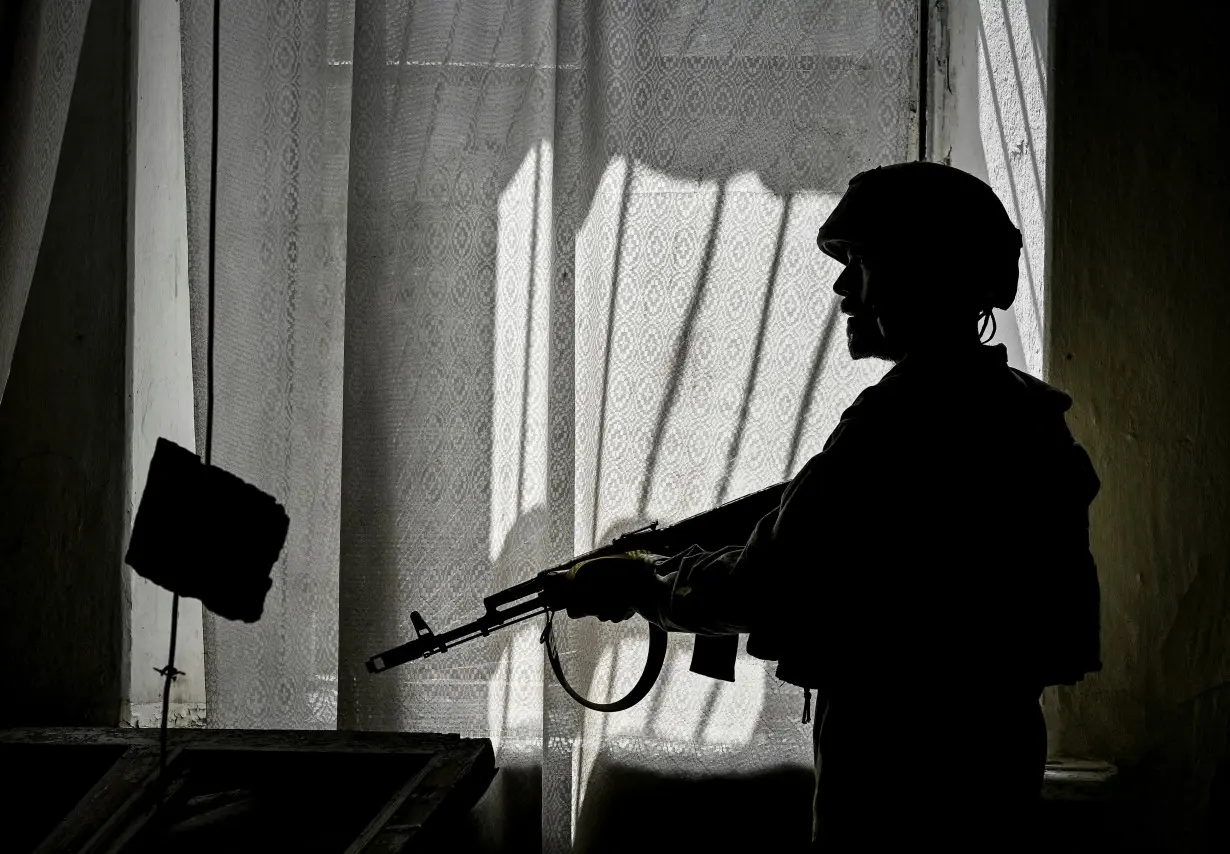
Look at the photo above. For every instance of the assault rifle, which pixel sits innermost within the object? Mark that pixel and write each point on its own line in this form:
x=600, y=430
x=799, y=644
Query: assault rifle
x=729, y=524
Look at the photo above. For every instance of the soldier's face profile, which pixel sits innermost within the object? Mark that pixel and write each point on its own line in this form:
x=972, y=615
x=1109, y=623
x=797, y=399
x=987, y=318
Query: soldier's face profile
x=857, y=286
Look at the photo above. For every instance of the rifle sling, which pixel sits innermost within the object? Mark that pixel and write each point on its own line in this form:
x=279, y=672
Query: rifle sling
x=653, y=667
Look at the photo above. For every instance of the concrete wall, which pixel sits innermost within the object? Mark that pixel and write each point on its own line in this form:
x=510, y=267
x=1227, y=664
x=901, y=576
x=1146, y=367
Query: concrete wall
x=62, y=419
x=1139, y=326
x=160, y=357
x=1133, y=293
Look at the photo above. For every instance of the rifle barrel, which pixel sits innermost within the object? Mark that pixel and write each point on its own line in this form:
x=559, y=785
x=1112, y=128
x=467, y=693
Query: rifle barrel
x=429, y=644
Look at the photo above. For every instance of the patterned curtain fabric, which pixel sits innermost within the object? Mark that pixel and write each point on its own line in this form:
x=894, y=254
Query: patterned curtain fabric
x=40, y=42
x=498, y=280
x=284, y=130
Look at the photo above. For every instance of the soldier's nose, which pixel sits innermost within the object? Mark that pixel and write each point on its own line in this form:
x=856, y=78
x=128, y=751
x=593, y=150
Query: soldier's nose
x=844, y=286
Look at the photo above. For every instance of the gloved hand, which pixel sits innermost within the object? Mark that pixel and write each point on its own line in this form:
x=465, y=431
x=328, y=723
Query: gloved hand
x=611, y=588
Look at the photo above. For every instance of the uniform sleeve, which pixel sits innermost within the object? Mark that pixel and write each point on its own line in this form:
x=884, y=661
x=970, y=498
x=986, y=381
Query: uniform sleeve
x=742, y=588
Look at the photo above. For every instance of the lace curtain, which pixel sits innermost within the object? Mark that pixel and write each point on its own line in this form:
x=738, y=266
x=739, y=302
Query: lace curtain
x=497, y=281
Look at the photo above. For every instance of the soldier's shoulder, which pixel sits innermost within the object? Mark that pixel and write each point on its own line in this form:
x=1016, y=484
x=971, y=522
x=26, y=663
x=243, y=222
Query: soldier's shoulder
x=1044, y=393
x=895, y=389
x=865, y=416
x=870, y=402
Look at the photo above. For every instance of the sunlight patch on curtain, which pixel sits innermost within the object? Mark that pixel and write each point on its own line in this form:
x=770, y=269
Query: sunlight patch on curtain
x=522, y=312
x=699, y=310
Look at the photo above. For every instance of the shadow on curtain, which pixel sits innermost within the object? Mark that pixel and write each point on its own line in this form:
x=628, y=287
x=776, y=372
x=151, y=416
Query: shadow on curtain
x=497, y=281
x=40, y=43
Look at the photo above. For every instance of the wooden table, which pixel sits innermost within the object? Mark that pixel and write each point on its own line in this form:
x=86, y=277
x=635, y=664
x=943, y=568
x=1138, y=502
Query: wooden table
x=102, y=790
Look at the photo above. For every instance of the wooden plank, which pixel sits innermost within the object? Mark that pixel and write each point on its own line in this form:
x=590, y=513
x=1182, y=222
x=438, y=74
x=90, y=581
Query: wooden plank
x=331, y=741
x=120, y=805
x=451, y=788
x=392, y=805
x=102, y=801
x=139, y=814
x=1078, y=780
x=134, y=808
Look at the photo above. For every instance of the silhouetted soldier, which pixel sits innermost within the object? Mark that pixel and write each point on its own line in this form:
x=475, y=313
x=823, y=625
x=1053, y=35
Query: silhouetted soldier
x=929, y=572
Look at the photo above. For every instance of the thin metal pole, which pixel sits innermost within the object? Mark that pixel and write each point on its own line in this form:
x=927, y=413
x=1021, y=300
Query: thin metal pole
x=168, y=674
x=213, y=233
x=924, y=62
x=170, y=671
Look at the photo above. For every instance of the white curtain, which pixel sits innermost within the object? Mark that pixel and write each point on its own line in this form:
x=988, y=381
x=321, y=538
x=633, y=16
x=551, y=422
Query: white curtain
x=40, y=42
x=497, y=280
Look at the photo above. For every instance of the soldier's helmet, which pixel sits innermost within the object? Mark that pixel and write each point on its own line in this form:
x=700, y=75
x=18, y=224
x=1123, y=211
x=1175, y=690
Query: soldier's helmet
x=918, y=212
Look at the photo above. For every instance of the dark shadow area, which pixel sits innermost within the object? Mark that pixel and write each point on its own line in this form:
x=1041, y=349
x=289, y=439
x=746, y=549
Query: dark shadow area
x=1218, y=830
x=1139, y=130
x=629, y=809
x=44, y=783
x=527, y=349
x=254, y=802
x=63, y=431
x=813, y=376
x=625, y=197
x=508, y=817
x=107, y=789
x=753, y=371
x=679, y=361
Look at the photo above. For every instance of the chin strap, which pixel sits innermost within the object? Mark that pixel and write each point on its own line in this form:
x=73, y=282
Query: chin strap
x=653, y=667
x=988, y=318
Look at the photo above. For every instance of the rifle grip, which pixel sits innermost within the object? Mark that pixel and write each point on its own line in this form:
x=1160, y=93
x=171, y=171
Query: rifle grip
x=714, y=656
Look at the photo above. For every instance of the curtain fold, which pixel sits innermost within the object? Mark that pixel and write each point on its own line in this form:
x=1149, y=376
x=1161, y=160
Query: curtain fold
x=40, y=42
x=497, y=281
x=284, y=129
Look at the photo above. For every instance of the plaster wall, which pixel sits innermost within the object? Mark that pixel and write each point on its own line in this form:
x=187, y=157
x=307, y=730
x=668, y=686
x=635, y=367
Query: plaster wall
x=1139, y=308
x=160, y=358
x=1126, y=256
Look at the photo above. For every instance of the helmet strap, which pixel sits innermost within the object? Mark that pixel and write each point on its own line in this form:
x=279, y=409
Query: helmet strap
x=988, y=319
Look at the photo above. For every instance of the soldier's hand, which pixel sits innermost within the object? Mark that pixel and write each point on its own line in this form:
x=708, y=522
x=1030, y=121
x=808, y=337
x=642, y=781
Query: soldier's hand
x=611, y=587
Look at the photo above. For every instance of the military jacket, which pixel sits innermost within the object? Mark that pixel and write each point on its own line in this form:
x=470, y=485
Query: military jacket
x=941, y=533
